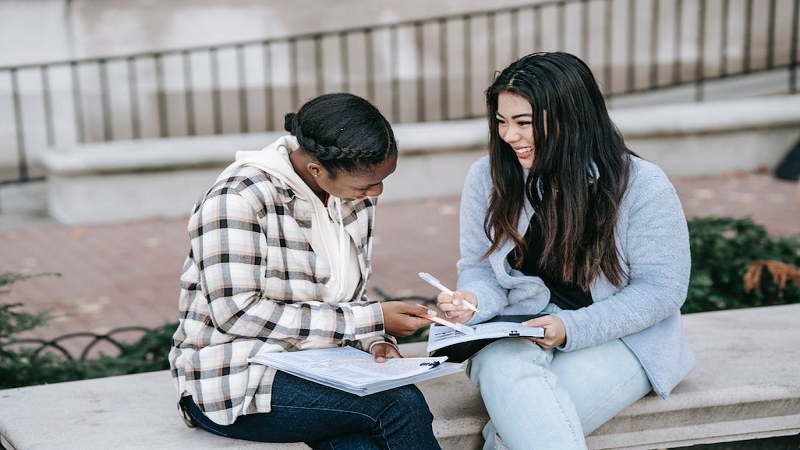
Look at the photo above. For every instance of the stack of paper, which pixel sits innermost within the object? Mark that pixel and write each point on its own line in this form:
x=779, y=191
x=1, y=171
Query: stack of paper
x=354, y=371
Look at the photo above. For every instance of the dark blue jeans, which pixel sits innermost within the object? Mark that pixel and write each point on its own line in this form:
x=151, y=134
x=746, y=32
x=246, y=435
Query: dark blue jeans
x=330, y=419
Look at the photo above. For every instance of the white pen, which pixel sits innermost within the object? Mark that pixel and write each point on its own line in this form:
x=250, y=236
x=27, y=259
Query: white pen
x=430, y=279
x=454, y=325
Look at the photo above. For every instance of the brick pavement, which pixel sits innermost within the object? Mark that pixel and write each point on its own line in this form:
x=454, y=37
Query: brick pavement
x=127, y=274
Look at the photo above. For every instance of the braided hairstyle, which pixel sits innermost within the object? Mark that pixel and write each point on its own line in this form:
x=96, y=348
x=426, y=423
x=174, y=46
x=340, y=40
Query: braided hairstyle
x=343, y=132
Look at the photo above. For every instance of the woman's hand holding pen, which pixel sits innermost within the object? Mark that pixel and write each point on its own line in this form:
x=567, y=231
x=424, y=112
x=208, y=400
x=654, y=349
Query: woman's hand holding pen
x=554, y=332
x=402, y=319
x=454, y=307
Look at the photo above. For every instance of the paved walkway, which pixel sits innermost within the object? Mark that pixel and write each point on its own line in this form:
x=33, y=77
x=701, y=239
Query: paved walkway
x=127, y=274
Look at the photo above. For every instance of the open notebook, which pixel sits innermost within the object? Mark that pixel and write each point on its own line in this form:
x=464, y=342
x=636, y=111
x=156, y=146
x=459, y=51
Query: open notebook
x=458, y=346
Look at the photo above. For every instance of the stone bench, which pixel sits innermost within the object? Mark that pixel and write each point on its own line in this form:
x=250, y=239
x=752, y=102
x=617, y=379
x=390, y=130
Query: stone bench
x=746, y=386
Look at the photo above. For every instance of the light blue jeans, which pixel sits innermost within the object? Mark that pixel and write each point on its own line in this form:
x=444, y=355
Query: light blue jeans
x=550, y=399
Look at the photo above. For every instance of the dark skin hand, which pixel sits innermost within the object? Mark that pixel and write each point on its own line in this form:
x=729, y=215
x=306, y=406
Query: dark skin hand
x=402, y=319
x=382, y=352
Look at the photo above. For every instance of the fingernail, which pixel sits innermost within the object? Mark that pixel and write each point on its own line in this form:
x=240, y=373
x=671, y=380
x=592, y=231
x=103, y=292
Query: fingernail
x=432, y=312
x=456, y=301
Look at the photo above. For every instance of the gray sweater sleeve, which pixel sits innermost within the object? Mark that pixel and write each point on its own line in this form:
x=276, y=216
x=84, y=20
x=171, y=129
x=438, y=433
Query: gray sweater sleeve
x=475, y=273
x=656, y=252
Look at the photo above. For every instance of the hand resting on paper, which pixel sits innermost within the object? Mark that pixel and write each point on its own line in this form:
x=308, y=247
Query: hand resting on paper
x=384, y=351
x=454, y=308
x=554, y=335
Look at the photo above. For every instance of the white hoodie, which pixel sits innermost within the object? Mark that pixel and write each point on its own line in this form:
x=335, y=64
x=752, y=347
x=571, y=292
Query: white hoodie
x=328, y=237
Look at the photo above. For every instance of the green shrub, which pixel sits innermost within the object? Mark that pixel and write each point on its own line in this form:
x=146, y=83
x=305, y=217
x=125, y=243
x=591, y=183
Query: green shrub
x=723, y=249
x=23, y=366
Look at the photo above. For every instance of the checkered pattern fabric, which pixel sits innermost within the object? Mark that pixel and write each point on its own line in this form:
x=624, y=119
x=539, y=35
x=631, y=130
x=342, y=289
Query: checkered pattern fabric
x=251, y=283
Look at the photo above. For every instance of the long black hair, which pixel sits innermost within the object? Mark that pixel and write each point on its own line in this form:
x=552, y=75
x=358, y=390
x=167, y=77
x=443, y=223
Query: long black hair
x=579, y=173
x=343, y=132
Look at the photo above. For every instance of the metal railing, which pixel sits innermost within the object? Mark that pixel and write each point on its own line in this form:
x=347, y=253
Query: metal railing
x=67, y=344
x=421, y=70
x=85, y=345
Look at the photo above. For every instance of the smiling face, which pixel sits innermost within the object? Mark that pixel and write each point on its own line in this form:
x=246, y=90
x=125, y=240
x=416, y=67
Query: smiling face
x=514, y=125
x=354, y=186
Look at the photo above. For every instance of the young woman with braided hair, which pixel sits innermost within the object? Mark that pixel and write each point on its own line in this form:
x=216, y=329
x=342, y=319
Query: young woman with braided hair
x=563, y=219
x=279, y=260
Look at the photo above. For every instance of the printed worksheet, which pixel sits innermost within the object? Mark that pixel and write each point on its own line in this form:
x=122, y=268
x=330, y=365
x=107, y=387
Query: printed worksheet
x=355, y=371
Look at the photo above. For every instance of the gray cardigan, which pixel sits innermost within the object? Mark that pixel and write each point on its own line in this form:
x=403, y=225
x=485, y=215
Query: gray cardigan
x=653, y=243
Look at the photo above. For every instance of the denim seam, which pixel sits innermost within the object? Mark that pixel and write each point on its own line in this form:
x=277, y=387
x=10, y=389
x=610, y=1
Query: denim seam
x=380, y=424
x=547, y=375
x=608, y=399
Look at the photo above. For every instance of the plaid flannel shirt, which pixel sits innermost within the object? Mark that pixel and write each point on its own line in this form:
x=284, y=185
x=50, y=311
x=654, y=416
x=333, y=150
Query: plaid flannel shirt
x=251, y=283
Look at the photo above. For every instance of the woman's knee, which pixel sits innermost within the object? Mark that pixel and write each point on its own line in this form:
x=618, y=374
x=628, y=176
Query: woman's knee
x=408, y=402
x=500, y=359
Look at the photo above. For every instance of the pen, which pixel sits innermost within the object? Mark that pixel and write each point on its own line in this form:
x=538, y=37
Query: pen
x=454, y=325
x=430, y=279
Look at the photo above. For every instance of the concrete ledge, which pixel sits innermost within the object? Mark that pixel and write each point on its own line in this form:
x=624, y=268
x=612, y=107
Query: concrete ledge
x=745, y=387
x=713, y=138
x=133, y=180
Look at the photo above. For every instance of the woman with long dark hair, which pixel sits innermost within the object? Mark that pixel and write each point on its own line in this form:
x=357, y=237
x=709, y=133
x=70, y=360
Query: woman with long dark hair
x=280, y=256
x=562, y=219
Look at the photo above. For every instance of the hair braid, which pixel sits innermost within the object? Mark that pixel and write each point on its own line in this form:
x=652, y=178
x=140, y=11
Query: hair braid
x=342, y=131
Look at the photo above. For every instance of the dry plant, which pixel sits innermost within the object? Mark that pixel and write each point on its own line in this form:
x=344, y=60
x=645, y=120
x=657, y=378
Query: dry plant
x=782, y=273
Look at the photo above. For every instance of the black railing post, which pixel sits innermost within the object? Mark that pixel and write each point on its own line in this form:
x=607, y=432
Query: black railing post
x=419, y=41
x=514, y=33
x=491, y=45
x=318, y=65
x=269, y=109
x=676, y=65
x=468, y=65
x=244, y=124
x=723, y=51
x=631, y=75
x=793, y=56
x=186, y=60
x=216, y=95
x=537, y=28
x=748, y=29
x=163, y=127
x=48, y=105
x=654, y=38
x=19, y=125
x=771, y=35
x=136, y=128
x=369, y=50
x=105, y=101
x=77, y=103
x=608, y=76
x=701, y=43
x=294, y=81
x=562, y=27
x=445, y=75
x=584, y=29
x=344, y=61
x=395, y=72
